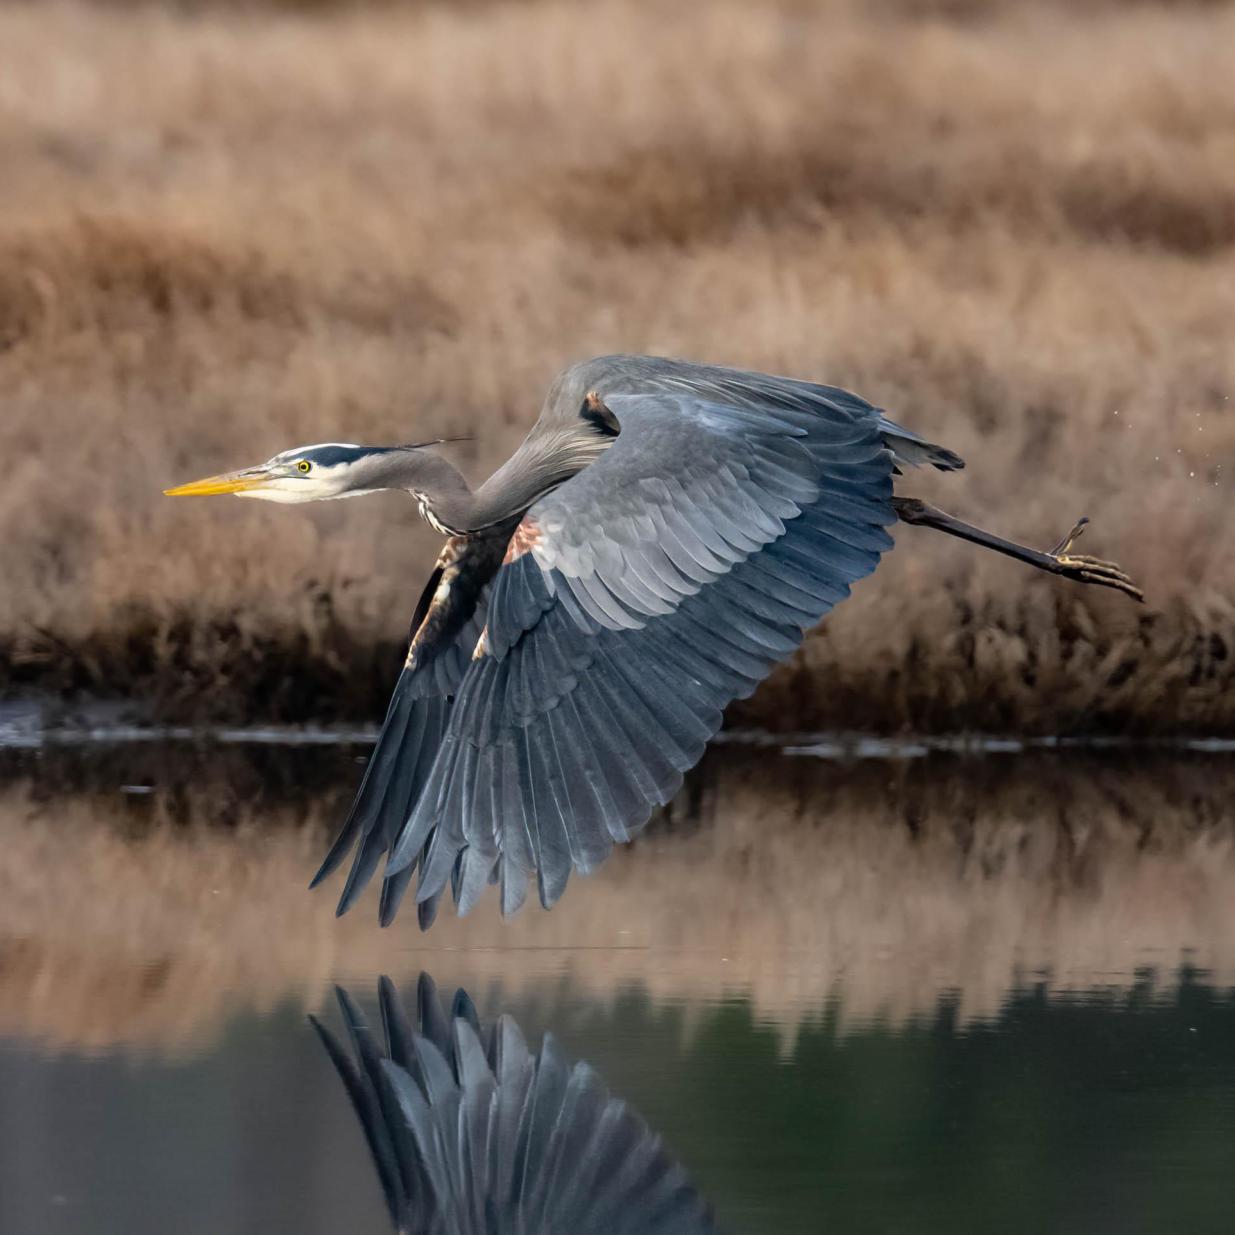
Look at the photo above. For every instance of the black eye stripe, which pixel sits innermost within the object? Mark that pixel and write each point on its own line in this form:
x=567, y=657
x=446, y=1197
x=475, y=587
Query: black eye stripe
x=320, y=457
x=332, y=456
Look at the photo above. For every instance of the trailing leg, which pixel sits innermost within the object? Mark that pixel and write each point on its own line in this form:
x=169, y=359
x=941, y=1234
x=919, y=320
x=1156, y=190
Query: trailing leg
x=1059, y=561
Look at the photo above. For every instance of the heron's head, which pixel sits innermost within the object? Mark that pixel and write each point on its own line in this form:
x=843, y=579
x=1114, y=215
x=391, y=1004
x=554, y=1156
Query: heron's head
x=316, y=473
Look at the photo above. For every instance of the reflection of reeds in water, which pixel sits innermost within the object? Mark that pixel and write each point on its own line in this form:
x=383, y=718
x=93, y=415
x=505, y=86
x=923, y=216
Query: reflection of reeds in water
x=786, y=881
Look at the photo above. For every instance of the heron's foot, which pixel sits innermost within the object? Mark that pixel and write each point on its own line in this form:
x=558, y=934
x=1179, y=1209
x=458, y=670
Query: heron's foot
x=1091, y=569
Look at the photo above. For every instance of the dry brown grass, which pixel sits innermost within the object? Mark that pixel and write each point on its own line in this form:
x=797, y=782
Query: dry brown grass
x=884, y=888
x=226, y=229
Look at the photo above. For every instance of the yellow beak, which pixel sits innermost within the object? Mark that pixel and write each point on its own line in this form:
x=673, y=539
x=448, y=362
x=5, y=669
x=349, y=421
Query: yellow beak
x=229, y=482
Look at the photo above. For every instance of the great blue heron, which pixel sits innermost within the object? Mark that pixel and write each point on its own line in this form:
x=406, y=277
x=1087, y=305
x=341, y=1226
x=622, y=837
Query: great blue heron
x=663, y=537
x=472, y=1134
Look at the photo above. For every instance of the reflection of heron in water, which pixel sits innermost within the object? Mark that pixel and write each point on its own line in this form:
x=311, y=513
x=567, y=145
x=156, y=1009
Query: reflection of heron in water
x=472, y=1134
x=662, y=538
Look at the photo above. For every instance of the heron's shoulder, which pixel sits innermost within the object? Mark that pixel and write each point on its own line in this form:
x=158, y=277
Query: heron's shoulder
x=601, y=374
x=627, y=373
x=635, y=375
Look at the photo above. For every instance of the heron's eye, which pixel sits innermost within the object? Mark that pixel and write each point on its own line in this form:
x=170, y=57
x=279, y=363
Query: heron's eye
x=304, y=466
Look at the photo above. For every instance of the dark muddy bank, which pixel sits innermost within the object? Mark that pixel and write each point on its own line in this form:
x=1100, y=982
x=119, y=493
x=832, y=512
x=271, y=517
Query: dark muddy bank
x=990, y=668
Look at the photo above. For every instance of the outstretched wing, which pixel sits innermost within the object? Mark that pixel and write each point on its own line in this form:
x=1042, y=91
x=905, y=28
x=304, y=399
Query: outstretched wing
x=636, y=602
x=448, y=621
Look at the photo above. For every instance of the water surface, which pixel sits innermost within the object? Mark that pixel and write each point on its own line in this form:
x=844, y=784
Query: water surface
x=945, y=993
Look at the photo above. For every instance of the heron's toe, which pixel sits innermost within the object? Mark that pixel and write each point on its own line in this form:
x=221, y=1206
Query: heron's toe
x=1083, y=562
x=1097, y=571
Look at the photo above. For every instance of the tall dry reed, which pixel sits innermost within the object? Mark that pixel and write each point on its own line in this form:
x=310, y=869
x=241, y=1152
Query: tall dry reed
x=229, y=228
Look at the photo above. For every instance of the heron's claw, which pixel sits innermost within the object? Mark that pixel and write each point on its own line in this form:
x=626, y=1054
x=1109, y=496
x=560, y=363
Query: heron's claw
x=1092, y=569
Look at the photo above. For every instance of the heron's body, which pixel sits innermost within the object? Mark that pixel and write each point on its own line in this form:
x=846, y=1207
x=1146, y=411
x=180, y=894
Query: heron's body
x=664, y=536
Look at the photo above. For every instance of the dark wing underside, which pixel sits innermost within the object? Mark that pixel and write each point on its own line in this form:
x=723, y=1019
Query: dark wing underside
x=643, y=596
x=472, y=1134
x=448, y=621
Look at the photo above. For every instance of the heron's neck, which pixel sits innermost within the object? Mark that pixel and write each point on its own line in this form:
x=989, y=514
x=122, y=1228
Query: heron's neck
x=445, y=499
x=451, y=506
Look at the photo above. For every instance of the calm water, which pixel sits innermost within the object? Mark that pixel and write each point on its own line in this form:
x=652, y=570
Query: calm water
x=940, y=994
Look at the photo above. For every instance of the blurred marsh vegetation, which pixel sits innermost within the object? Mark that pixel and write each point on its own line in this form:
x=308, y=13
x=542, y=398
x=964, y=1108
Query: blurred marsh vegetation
x=228, y=228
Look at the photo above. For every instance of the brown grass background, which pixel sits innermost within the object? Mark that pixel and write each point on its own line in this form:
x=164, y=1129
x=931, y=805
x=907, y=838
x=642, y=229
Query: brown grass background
x=229, y=228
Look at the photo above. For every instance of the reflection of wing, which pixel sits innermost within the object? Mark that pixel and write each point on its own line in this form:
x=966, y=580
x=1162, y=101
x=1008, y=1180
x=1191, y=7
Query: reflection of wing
x=637, y=601
x=471, y=1134
x=448, y=622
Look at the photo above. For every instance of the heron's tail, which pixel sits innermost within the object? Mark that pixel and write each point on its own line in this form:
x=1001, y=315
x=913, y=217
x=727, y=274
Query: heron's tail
x=910, y=450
